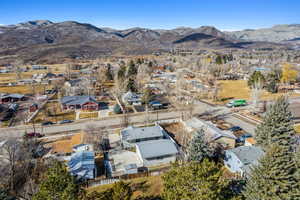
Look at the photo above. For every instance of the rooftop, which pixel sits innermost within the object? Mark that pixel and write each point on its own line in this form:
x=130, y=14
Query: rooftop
x=77, y=100
x=82, y=163
x=156, y=148
x=209, y=128
x=133, y=133
x=124, y=160
x=248, y=154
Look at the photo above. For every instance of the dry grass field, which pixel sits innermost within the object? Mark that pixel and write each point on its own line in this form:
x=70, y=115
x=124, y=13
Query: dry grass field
x=239, y=90
x=24, y=89
x=88, y=115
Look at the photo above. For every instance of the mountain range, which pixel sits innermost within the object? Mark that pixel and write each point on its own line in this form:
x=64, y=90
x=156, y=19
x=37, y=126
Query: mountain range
x=46, y=41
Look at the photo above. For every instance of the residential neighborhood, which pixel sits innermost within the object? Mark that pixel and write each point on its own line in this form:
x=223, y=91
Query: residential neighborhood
x=155, y=100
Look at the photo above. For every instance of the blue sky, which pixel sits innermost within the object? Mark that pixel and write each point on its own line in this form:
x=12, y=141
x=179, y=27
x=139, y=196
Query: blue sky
x=167, y=14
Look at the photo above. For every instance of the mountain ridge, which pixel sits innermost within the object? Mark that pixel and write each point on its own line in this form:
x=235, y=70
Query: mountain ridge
x=45, y=40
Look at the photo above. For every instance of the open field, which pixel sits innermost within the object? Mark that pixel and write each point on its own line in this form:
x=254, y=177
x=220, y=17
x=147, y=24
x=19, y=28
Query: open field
x=24, y=89
x=151, y=186
x=239, y=90
x=11, y=77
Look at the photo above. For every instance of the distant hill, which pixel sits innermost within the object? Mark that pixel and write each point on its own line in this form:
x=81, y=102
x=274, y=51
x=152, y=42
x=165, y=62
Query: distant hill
x=278, y=33
x=45, y=41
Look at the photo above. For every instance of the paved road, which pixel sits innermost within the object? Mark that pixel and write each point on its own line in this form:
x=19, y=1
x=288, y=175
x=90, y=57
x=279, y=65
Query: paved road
x=106, y=122
x=113, y=122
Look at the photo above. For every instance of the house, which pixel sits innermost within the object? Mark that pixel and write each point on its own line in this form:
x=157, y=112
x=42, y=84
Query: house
x=123, y=162
x=50, y=76
x=212, y=133
x=157, y=152
x=73, y=83
x=132, y=135
x=76, y=87
x=250, y=141
x=241, y=159
x=88, y=103
x=5, y=98
x=83, y=147
x=131, y=98
x=143, y=148
x=82, y=165
x=33, y=107
x=38, y=67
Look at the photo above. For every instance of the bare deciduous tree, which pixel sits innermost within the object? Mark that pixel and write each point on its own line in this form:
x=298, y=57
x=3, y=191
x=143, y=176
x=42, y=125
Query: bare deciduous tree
x=256, y=92
x=96, y=136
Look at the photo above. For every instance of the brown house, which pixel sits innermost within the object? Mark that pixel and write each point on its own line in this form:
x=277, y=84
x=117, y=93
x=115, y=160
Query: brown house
x=86, y=103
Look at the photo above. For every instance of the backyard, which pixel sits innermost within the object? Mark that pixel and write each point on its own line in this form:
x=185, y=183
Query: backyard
x=151, y=186
x=52, y=112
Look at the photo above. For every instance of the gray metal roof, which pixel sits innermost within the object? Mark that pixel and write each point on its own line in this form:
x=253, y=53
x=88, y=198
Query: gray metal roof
x=210, y=130
x=248, y=155
x=156, y=148
x=82, y=164
x=77, y=100
x=132, y=133
x=16, y=96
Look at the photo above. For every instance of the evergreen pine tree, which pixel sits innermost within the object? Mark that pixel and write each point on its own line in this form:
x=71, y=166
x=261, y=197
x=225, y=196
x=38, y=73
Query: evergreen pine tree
x=277, y=126
x=121, y=191
x=58, y=184
x=199, y=148
x=132, y=69
x=131, y=85
x=195, y=180
x=274, y=177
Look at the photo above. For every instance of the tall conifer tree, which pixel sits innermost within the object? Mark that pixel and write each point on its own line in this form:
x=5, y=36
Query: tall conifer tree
x=277, y=126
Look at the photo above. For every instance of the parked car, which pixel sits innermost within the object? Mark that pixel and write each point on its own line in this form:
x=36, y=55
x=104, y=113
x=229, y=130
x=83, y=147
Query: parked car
x=235, y=129
x=243, y=138
x=33, y=134
x=66, y=121
x=236, y=103
x=47, y=123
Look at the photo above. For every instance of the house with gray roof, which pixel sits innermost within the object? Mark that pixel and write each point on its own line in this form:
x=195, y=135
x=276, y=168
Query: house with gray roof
x=131, y=98
x=152, y=147
x=4, y=98
x=211, y=132
x=132, y=135
x=88, y=103
x=82, y=165
x=157, y=152
x=241, y=159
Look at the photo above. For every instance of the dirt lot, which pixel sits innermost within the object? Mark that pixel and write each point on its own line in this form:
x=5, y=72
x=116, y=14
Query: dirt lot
x=178, y=132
